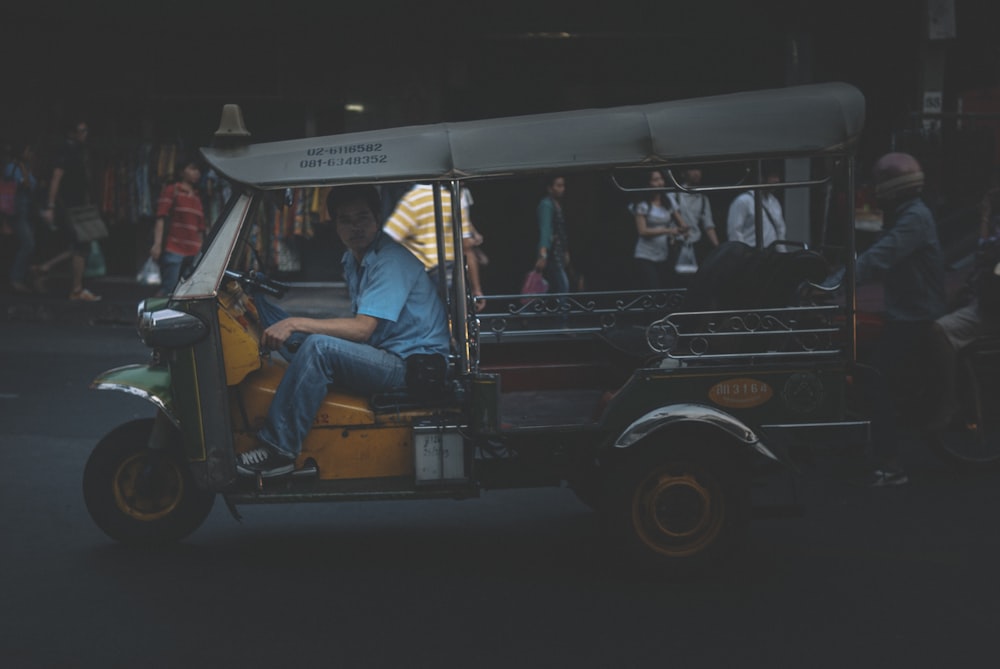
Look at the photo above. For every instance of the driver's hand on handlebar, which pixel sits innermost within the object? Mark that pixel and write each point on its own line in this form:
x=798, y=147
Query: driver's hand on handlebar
x=275, y=336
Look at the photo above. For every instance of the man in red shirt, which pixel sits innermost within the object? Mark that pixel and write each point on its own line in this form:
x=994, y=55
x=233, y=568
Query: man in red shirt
x=180, y=226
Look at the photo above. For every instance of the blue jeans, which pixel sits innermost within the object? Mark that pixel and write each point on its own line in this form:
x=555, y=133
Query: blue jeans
x=171, y=266
x=25, y=238
x=320, y=362
x=270, y=314
x=555, y=274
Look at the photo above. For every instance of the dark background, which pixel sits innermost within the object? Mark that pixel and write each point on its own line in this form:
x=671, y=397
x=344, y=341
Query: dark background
x=161, y=72
x=174, y=63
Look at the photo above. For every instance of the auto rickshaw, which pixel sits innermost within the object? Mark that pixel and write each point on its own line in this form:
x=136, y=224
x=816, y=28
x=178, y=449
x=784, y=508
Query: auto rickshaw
x=657, y=407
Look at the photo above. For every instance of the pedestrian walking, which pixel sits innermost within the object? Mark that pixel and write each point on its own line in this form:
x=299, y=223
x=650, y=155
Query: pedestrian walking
x=19, y=175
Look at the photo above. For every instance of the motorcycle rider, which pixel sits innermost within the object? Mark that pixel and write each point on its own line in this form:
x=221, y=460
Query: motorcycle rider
x=979, y=314
x=908, y=260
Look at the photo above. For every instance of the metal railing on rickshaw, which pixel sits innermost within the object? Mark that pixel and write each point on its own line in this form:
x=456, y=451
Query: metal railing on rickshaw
x=520, y=316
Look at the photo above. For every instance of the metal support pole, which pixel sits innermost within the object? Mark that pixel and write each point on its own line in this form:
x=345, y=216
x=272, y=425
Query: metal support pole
x=758, y=208
x=460, y=303
x=439, y=234
x=850, y=292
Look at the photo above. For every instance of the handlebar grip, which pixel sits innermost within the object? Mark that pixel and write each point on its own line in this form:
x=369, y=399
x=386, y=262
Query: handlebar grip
x=260, y=282
x=270, y=289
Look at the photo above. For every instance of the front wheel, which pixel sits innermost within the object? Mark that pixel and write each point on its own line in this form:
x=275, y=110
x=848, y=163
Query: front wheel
x=139, y=495
x=677, y=507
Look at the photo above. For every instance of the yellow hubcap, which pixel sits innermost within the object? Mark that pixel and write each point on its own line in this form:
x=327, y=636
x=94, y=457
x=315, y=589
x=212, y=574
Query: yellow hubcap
x=677, y=514
x=147, y=489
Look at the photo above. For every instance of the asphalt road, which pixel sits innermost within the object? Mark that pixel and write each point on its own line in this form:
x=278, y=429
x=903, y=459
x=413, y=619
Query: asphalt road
x=864, y=578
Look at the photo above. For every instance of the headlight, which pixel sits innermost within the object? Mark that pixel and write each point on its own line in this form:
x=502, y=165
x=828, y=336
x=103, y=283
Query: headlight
x=169, y=328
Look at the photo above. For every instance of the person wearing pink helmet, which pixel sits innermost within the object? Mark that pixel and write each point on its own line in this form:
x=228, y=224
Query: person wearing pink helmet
x=907, y=259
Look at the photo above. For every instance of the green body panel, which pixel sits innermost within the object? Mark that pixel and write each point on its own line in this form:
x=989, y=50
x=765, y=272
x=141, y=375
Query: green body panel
x=156, y=303
x=187, y=402
x=147, y=381
x=156, y=384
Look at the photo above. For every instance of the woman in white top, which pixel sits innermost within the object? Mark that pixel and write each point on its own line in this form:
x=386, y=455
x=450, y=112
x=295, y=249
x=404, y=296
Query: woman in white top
x=659, y=225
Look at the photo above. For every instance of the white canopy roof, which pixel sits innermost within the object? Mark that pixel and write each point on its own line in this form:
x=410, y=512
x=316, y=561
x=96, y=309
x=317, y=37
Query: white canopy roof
x=821, y=119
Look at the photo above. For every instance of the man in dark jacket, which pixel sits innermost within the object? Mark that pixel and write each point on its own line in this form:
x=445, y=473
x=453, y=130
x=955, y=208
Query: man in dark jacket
x=908, y=259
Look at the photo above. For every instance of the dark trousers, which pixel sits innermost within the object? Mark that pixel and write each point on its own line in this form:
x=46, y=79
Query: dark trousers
x=899, y=358
x=653, y=275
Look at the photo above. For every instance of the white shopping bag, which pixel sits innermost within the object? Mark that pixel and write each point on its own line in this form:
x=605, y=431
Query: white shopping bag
x=149, y=275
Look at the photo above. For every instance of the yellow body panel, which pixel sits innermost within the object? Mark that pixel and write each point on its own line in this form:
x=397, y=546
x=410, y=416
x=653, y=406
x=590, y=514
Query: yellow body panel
x=346, y=442
x=360, y=453
x=241, y=350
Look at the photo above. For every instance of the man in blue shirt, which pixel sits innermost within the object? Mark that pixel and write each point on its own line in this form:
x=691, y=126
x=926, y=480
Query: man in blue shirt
x=397, y=314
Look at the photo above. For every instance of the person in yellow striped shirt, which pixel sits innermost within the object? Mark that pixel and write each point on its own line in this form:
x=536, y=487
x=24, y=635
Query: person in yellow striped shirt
x=412, y=225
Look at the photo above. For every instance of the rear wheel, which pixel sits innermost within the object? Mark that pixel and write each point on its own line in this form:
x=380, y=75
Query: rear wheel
x=972, y=439
x=677, y=507
x=968, y=443
x=139, y=495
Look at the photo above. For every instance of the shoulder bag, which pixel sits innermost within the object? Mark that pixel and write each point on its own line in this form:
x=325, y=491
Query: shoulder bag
x=87, y=223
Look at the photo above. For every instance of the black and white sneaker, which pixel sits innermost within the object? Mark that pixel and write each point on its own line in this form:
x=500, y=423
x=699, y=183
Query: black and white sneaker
x=884, y=478
x=265, y=462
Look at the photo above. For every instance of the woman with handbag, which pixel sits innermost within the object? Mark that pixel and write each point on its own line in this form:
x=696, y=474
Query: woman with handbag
x=662, y=231
x=553, y=243
x=17, y=173
x=180, y=226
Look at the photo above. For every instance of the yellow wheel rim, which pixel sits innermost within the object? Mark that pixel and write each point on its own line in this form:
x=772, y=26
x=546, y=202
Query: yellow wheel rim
x=678, y=513
x=148, y=489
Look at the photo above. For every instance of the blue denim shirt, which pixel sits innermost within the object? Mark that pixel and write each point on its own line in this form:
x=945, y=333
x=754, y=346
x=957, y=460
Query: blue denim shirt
x=393, y=287
x=908, y=259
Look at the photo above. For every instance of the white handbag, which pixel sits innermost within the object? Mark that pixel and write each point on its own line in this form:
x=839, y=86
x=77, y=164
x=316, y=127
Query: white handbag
x=687, y=261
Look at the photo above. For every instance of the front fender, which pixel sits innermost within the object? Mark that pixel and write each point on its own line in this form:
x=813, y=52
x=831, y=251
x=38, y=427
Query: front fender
x=693, y=413
x=148, y=382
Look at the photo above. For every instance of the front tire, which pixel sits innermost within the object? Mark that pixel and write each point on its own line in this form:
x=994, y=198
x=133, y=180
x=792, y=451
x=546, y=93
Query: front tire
x=139, y=495
x=677, y=507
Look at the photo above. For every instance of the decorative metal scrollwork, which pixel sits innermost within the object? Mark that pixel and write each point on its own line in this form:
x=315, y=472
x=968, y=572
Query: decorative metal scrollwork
x=569, y=312
x=727, y=334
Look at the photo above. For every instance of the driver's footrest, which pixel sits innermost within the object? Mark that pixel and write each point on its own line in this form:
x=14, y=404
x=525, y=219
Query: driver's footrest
x=308, y=471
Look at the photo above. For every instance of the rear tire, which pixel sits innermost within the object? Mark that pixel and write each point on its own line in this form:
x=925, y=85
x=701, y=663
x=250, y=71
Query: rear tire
x=679, y=508
x=967, y=444
x=972, y=439
x=142, y=496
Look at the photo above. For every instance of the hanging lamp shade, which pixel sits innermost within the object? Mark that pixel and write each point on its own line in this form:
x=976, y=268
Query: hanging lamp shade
x=231, y=124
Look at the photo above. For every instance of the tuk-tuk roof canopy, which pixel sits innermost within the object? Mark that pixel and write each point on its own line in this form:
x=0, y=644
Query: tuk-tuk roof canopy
x=813, y=120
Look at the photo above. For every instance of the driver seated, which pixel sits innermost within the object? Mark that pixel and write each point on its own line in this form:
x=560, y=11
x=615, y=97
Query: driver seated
x=397, y=314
